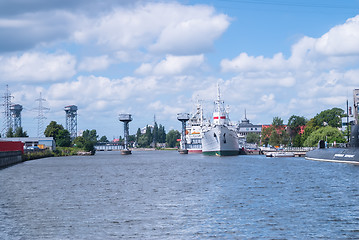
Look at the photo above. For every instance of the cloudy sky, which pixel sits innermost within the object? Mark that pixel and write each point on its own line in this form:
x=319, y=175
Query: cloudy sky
x=271, y=57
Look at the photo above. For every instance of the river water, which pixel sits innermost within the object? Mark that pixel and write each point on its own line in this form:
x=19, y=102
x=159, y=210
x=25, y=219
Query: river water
x=165, y=195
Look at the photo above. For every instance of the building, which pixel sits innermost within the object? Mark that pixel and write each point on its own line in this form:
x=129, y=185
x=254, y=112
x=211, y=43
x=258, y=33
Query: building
x=246, y=127
x=41, y=142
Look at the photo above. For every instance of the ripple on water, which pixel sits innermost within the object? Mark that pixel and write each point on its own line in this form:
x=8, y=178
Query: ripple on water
x=165, y=195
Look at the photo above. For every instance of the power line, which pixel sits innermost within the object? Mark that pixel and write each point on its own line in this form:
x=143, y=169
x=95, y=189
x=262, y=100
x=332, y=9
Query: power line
x=291, y=4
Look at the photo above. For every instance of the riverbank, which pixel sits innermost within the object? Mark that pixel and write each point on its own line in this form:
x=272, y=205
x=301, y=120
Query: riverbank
x=10, y=158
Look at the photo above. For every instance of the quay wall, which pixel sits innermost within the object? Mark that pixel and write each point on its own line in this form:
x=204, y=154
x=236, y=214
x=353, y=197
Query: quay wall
x=9, y=158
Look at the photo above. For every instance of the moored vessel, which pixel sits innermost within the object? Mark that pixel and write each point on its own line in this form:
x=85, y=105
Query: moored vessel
x=220, y=137
x=341, y=155
x=194, y=131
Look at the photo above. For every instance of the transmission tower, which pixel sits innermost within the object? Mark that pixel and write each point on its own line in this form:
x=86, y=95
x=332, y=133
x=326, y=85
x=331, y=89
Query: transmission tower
x=71, y=120
x=40, y=117
x=15, y=110
x=7, y=115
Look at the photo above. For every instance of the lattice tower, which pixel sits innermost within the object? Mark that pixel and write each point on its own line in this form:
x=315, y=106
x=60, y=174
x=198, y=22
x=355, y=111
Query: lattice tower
x=71, y=120
x=41, y=116
x=7, y=115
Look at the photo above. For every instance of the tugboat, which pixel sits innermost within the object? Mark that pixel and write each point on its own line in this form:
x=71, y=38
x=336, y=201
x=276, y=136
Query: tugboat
x=220, y=137
x=342, y=155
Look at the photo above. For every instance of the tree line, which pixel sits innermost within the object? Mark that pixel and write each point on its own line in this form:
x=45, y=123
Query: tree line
x=152, y=137
x=300, y=132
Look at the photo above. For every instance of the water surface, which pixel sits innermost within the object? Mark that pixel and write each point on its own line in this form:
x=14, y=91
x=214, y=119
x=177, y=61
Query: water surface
x=165, y=195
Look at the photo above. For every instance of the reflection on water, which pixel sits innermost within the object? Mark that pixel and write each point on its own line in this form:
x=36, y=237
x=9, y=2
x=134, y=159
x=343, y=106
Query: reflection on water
x=166, y=195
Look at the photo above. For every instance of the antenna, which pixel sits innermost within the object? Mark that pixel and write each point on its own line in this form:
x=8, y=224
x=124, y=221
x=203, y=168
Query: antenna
x=40, y=116
x=7, y=114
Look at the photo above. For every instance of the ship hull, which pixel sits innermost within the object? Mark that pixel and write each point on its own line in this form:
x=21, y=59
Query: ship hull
x=340, y=155
x=220, y=141
x=194, y=150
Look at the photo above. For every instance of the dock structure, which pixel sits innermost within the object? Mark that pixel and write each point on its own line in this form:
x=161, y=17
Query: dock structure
x=183, y=118
x=287, y=152
x=126, y=119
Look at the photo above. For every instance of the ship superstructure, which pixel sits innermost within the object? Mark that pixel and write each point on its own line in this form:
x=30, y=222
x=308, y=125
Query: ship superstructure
x=220, y=137
x=194, y=130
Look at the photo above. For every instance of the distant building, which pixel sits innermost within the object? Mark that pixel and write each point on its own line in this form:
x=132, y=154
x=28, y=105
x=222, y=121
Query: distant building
x=246, y=127
x=46, y=142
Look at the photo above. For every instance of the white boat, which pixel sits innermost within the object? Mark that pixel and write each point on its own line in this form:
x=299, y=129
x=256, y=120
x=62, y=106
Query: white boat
x=220, y=137
x=194, y=131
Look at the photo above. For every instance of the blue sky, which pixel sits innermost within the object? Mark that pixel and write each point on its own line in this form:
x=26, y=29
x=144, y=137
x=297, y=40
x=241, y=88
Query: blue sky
x=272, y=58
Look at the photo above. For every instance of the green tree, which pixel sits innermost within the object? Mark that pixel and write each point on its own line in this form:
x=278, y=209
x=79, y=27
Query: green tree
x=171, y=138
x=161, y=134
x=63, y=138
x=331, y=117
x=143, y=141
x=103, y=139
x=131, y=138
x=328, y=133
x=277, y=122
x=20, y=132
x=265, y=135
x=10, y=133
x=149, y=136
x=295, y=123
x=138, y=134
x=60, y=135
x=90, y=136
x=275, y=134
x=253, y=138
x=52, y=130
x=155, y=134
x=79, y=142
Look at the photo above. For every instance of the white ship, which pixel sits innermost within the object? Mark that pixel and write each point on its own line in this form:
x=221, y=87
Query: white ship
x=220, y=137
x=194, y=131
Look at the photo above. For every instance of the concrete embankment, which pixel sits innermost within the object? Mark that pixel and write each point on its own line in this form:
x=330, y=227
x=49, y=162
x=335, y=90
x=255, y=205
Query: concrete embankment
x=10, y=158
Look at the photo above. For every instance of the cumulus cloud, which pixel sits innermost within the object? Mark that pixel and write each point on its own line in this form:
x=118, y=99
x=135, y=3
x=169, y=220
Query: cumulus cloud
x=33, y=29
x=94, y=63
x=37, y=67
x=249, y=63
x=157, y=27
x=338, y=47
x=319, y=72
x=340, y=40
x=172, y=65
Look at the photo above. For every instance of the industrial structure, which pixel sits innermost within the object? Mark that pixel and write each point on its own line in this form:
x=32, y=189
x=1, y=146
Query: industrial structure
x=41, y=116
x=15, y=110
x=71, y=120
x=7, y=115
x=183, y=118
x=126, y=119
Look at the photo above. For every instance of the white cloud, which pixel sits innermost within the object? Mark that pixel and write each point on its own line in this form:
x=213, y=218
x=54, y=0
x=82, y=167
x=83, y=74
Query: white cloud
x=172, y=65
x=37, y=67
x=249, y=63
x=164, y=109
x=319, y=74
x=94, y=63
x=340, y=40
x=158, y=27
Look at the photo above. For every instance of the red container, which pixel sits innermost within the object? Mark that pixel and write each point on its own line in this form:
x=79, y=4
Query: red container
x=6, y=146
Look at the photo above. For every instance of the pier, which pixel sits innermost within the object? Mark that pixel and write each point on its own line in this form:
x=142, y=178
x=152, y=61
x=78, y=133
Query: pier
x=287, y=151
x=109, y=147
